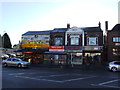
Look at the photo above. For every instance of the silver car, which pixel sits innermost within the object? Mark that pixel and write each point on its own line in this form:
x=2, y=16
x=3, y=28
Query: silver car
x=114, y=66
x=15, y=62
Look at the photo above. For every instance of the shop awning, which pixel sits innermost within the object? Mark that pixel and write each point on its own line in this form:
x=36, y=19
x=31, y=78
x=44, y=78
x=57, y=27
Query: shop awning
x=56, y=53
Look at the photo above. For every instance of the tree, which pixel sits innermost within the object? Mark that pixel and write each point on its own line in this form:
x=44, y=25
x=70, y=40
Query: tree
x=6, y=41
x=0, y=41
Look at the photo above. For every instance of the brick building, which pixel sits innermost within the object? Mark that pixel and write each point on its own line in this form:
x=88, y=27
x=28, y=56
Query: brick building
x=74, y=45
x=93, y=44
x=113, y=43
x=56, y=54
x=83, y=42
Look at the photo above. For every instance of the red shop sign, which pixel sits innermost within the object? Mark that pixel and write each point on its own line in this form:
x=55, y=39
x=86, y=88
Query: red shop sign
x=56, y=47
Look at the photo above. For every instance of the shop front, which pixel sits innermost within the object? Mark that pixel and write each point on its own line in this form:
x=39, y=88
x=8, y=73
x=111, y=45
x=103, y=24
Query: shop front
x=35, y=56
x=94, y=54
x=75, y=55
x=55, y=56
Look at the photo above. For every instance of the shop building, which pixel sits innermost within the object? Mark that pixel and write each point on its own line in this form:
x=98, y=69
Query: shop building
x=113, y=43
x=34, y=44
x=74, y=45
x=93, y=44
x=56, y=54
x=84, y=42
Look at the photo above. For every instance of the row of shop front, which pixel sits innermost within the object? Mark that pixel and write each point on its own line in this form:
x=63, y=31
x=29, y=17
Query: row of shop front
x=72, y=55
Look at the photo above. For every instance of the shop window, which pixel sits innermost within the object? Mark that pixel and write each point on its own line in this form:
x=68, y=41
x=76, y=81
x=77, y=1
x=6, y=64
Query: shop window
x=58, y=41
x=116, y=52
x=76, y=58
x=92, y=41
x=116, y=39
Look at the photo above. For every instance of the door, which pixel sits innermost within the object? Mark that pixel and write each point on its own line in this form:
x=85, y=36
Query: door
x=76, y=58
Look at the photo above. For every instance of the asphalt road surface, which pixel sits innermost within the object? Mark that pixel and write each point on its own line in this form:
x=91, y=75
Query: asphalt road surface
x=39, y=77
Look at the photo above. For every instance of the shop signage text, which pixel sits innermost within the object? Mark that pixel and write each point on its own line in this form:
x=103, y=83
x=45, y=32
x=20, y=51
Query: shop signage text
x=56, y=48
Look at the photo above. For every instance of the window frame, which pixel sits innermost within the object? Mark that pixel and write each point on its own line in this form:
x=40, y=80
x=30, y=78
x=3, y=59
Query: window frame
x=116, y=39
x=88, y=41
x=74, y=39
x=58, y=39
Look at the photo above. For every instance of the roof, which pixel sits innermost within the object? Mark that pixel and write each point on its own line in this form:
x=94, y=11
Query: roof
x=91, y=29
x=37, y=32
x=59, y=30
x=116, y=27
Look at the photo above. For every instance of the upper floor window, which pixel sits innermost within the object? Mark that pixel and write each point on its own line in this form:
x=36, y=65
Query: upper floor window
x=116, y=39
x=58, y=41
x=25, y=38
x=36, y=36
x=74, y=40
x=46, y=37
x=92, y=41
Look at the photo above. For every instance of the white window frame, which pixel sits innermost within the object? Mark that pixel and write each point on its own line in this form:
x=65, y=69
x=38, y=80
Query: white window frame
x=74, y=40
x=91, y=42
x=58, y=41
x=116, y=39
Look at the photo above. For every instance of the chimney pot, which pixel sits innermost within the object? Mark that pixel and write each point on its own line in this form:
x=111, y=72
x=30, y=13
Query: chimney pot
x=68, y=25
x=106, y=25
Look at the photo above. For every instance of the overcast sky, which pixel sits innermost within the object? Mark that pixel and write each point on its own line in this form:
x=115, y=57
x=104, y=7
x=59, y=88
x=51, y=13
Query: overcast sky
x=18, y=17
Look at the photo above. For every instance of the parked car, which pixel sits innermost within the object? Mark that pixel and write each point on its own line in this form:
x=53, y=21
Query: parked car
x=114, y=66
x=15, y=62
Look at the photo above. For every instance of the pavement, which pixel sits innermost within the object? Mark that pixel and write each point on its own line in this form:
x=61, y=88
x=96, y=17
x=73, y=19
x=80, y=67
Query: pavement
x=83, y=67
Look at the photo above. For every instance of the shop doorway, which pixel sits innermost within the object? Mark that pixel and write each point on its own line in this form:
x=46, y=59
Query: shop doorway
x=76, y=58
x=94, y=58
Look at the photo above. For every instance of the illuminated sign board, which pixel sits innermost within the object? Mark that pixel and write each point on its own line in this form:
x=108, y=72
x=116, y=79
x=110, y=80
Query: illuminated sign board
x=37, y=43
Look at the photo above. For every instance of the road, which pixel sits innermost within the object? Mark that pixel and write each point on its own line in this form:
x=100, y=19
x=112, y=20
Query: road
x=39, y=77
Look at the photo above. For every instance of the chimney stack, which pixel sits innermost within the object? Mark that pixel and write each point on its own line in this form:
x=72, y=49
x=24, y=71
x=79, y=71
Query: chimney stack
x=68, y=25
x=106, y=25
x=99, y=25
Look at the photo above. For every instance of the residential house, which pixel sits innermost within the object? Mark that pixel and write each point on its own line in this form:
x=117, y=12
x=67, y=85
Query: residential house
x=113, y=43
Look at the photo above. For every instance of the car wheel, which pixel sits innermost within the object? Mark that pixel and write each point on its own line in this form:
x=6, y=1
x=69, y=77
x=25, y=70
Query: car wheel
x=5, y=64
x=114, y=69
x=19, y=66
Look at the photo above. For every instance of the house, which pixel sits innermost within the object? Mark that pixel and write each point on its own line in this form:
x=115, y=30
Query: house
x=113, y=43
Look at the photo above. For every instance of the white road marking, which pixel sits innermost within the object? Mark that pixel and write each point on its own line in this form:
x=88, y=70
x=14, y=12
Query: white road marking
x=108, y=82
x=78, y=79
x=55, y=75
x=17, y=74
x=39, y=79
x=103, y=84
x=56, y=80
